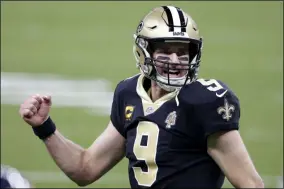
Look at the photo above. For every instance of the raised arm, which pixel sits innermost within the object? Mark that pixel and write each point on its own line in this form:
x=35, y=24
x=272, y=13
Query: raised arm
x=83, y=166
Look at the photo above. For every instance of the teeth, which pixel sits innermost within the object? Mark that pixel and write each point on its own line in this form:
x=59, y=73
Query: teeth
x=172, y=72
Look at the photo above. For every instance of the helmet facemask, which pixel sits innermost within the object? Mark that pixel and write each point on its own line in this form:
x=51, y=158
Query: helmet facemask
x=168, y=75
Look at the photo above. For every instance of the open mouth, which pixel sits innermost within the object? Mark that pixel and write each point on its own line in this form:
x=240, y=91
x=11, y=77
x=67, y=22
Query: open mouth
x=171, y=73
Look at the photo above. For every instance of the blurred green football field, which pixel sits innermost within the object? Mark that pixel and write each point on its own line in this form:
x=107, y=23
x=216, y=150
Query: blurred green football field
x=243, y=46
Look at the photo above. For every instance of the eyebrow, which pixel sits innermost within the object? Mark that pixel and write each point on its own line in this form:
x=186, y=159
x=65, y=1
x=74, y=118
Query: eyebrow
x=163, y=56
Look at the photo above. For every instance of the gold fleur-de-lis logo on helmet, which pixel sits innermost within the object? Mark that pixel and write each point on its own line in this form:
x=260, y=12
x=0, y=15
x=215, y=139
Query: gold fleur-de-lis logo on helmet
x=226, y=110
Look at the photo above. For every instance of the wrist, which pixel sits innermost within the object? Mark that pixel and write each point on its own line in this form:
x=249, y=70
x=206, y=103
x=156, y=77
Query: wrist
x=46, y=129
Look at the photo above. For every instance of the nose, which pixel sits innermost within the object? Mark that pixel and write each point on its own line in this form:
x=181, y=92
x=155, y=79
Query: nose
x=174, y=58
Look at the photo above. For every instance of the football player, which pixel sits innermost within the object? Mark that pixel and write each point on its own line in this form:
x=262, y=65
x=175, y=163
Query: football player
x=176, y=130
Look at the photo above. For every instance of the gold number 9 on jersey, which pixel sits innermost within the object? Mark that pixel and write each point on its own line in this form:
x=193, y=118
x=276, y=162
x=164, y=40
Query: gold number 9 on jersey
x=146, y=153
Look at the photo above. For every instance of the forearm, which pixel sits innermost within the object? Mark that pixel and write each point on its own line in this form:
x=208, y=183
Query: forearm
x=66, y=154
x=83, y=166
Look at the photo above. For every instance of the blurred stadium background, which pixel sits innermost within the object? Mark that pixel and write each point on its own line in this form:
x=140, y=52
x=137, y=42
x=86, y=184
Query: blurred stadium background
x=78, y=51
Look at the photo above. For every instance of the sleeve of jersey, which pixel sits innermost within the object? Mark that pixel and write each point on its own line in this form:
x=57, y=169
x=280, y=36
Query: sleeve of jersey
x=223, y=114
x=116, y=112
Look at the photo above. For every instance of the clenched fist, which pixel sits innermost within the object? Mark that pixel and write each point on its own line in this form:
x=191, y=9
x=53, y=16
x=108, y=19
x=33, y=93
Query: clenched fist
x=35, y=109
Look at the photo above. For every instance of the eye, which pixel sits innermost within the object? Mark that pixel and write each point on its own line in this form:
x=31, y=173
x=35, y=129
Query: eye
x=184, y=58
x=162, y=58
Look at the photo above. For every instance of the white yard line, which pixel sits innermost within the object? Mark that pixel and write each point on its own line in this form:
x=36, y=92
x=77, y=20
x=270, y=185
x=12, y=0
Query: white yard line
x=92, y=94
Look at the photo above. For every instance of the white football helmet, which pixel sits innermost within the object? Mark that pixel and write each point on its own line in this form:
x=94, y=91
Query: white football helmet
x=167, y=24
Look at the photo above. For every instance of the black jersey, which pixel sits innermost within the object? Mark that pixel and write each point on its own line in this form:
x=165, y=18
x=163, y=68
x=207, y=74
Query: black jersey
x=166, y=140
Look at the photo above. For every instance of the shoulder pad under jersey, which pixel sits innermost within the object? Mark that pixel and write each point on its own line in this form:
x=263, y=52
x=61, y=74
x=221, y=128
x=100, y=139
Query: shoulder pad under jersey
x=127, y=85
x=205, y=91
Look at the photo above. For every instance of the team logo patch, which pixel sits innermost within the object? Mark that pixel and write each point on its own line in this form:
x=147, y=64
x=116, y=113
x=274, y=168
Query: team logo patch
x=149, y=110
x=171, y=119
x=128, y=112
x=226, y=110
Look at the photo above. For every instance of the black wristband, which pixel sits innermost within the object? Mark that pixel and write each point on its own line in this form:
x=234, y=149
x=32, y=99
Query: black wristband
x=45, y=130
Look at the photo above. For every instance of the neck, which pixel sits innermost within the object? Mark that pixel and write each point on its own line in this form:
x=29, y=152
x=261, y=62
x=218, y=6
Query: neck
x=156, y=92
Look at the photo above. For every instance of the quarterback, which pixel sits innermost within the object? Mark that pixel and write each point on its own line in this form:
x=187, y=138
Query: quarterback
x=176, y=130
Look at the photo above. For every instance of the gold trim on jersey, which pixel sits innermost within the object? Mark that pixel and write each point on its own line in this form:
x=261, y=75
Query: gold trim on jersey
x=148, y=105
